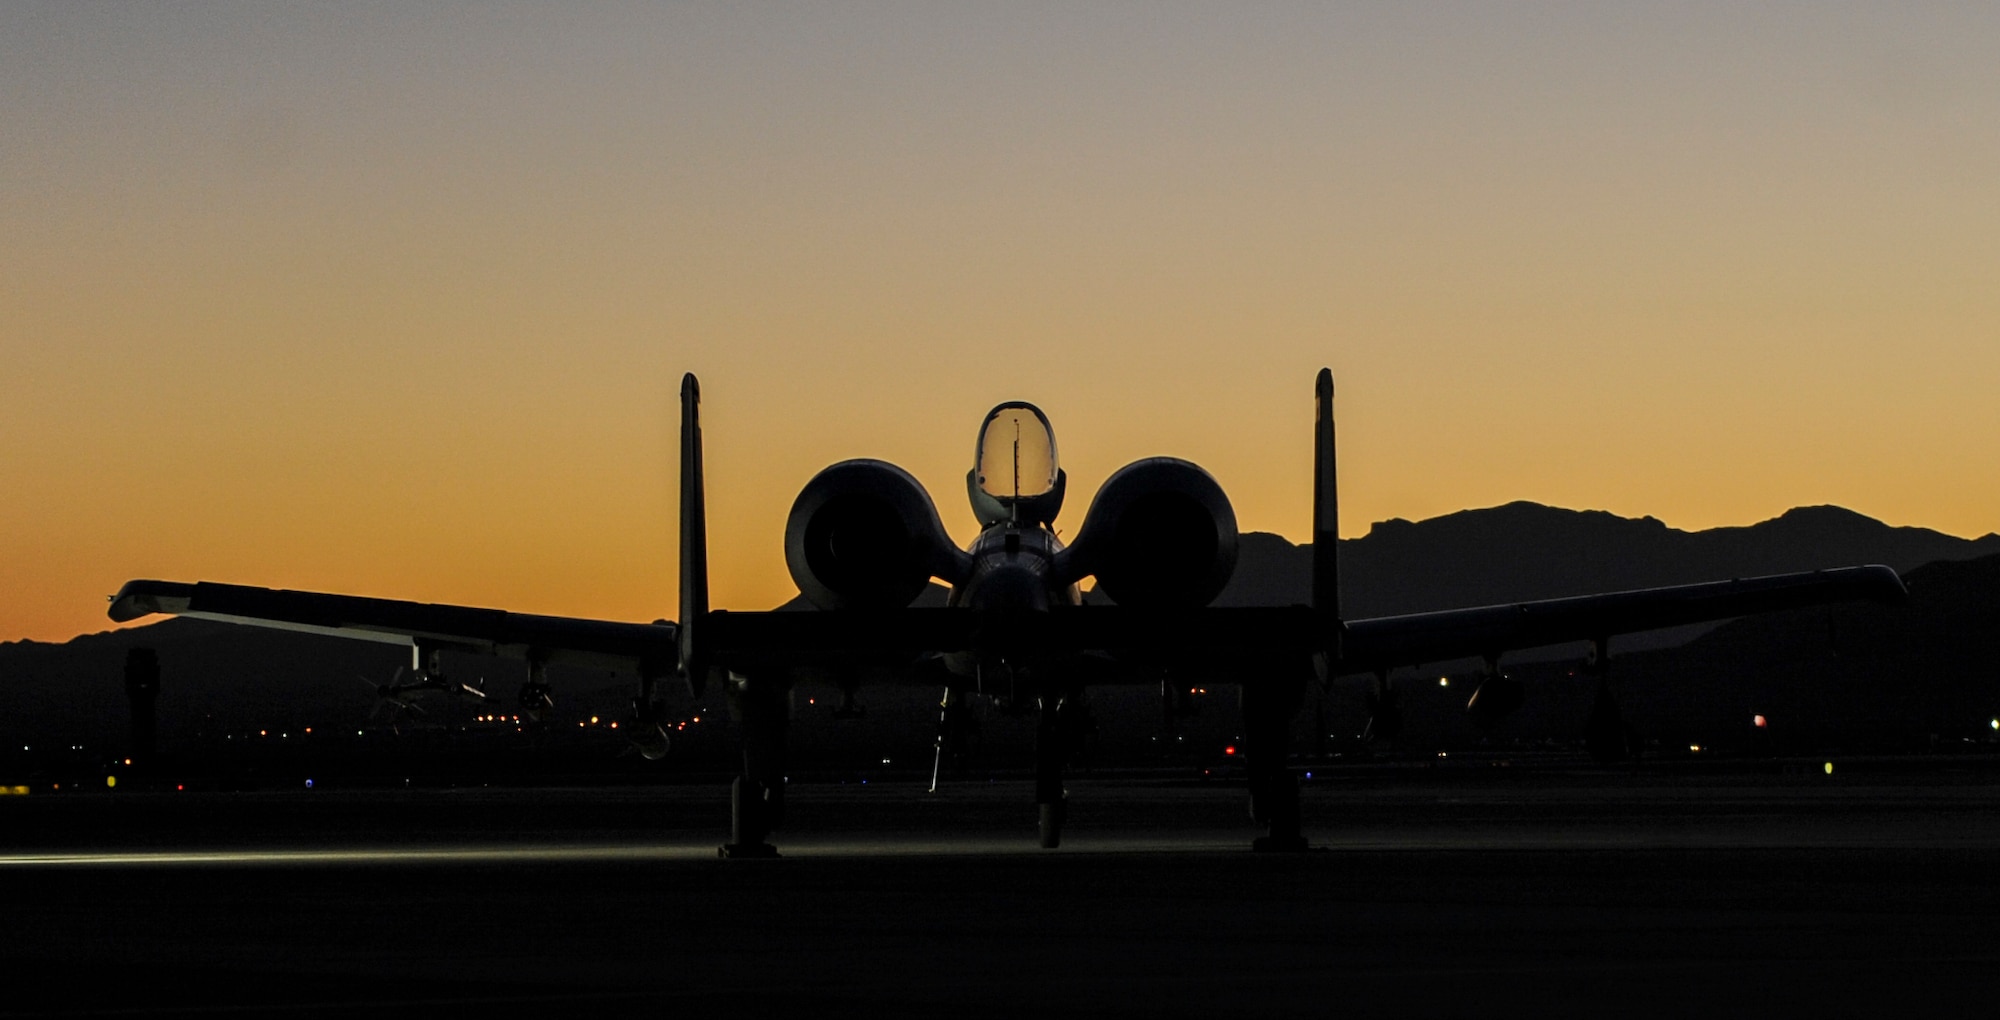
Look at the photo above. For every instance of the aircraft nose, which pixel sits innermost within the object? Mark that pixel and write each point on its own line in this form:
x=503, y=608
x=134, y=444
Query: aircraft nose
x=1010, y=606
x=1009, y=589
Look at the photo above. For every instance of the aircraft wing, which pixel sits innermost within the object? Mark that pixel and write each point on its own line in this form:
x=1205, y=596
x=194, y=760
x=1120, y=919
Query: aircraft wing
x=1389, y=641
x=633, y=647
x=1221, y=634
x=1206, y=634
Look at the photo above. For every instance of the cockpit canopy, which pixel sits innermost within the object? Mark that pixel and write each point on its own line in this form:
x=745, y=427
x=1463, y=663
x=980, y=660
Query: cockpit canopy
x=1017, y=453
x=1014, y=472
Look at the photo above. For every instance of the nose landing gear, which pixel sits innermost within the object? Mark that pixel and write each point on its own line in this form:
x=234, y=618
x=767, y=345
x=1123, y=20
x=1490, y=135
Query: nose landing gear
x=1051, y=749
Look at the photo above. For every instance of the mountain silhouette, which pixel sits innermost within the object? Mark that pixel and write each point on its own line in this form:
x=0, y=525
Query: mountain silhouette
x=1523, y=551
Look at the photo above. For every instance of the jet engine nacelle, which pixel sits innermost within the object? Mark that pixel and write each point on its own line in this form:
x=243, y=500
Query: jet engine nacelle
x=1160, y=533
x=864, y=534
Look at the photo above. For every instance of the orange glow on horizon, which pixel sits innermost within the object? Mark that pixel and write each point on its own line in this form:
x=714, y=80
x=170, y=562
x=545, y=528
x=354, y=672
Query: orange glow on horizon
x=370, y=304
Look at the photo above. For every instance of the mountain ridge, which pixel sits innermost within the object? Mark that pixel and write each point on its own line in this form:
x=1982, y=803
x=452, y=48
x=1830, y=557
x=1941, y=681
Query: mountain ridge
x=1521, y=551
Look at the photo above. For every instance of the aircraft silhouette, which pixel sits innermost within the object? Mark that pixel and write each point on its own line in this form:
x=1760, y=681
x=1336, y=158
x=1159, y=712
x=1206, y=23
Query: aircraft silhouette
x=864, y=539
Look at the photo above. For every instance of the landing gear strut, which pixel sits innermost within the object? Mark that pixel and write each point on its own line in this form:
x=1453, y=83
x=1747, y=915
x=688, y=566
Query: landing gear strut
x=1051, y=800
x=762, y=708
x=1269, y=703
x=1604, y=733
x=1385, y=716
x=956, y=728
x=537, y=697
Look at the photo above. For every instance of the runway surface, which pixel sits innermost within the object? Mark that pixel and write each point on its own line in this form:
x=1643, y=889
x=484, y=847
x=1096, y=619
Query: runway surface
x=1477, y=892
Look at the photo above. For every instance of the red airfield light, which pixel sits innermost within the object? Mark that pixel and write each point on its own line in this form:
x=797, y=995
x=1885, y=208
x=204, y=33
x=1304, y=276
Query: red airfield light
x=1231, y=749
x=1758, y=721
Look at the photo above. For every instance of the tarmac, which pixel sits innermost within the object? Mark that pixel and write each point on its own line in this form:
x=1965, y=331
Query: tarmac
x=1432, y=892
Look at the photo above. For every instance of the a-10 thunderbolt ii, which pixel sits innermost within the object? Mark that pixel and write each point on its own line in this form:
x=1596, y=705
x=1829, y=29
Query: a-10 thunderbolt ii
x=864, y=540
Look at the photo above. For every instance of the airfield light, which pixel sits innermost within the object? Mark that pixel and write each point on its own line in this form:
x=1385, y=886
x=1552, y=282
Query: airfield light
x=1996, y=725
x=885, y=761
x=263, y=733
x=178, y=787
x=1758, y=721
x=1829, y=768
x=593, y=720
x=1694, y=748
x=309, y=729
x=614, y=725
x=128, y=761
x=110, y=781
x=309, y=784
x=697, y=719
x=1231, y=749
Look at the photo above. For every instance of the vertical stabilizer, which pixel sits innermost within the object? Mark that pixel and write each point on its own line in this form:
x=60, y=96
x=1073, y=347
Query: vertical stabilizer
x=1326, y=516
x=694, y=540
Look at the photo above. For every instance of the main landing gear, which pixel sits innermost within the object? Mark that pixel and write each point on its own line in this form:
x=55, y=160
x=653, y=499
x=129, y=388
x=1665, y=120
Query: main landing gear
x=762, y=708
x=1269, y=704
x=537, y=698
x=1604, y=733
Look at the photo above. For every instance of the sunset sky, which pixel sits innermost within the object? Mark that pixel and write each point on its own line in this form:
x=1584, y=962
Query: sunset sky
x=394, y=299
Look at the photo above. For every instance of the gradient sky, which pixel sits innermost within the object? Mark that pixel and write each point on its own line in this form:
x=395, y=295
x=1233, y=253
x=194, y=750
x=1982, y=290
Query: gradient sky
x=394, y=299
